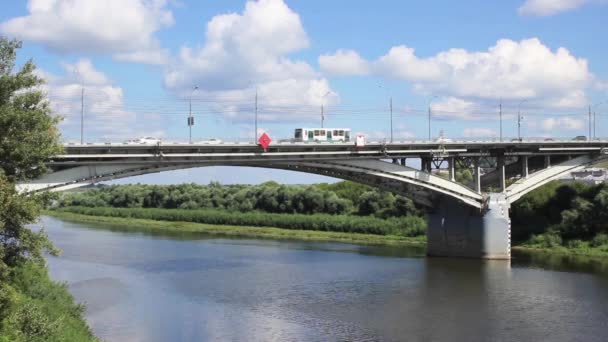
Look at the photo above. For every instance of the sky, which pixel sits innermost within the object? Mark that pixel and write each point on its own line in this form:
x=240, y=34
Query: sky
x=139, y=62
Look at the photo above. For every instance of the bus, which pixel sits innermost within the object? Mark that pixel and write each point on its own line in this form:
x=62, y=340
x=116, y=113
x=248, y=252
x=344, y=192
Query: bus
x=322, y=134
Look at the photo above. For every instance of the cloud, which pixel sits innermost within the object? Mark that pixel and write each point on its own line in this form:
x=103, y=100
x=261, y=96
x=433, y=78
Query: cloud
x=124, y=29
x=508, y=70
x=549, y=7
x=479, y=132
x=563, y=123
x=104, y=114
x=344, y=62
x=453, y=108
x=248, y=50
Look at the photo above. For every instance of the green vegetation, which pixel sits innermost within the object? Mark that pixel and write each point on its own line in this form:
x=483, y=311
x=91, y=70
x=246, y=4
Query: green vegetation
x=186, y=228
x=32, y=307
x=570, y=217
x=335, y=199
x=409, y=226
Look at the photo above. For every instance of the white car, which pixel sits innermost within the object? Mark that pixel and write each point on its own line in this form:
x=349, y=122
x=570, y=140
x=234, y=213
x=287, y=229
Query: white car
x=443, y=140
x=212, y=141
x=144, y=141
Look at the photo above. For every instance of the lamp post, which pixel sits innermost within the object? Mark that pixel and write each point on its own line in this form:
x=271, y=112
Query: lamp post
x=322, y=107
x=429, y=107
x=594, y=117
x=190, y=118
x=81, y=106
x=390, y=106
x=255, y=135
x=519, y=119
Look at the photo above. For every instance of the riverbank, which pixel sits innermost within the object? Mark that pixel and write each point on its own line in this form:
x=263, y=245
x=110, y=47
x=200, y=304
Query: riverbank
x=35, y=308
x=584, y=250
x=179, y=227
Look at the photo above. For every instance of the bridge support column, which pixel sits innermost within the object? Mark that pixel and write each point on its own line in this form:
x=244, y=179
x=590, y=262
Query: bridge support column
x=476, y=175
x=524, y=167
x=403, y=161
x=451, y=169
x=547, y=162
x=458, y=230
x=502, y=177
x=425, y=164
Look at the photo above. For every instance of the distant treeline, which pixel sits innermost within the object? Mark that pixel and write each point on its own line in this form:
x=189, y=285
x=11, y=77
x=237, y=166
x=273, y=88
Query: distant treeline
x=335, y=199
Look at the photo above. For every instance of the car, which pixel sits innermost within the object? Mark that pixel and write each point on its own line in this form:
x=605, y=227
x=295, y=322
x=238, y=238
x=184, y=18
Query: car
x=143, y=141
x=212, y=141
x=549, y=139
x=443, y=140
x=580, y=138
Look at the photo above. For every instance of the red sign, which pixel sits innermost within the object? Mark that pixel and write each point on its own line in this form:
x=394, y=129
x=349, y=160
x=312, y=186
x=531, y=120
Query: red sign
x=264, y=141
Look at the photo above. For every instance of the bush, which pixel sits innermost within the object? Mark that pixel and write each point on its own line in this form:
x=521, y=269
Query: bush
x=547, y=240
x=599, y=240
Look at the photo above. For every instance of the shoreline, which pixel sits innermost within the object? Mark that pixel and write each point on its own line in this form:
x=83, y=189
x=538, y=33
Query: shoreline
x=177, y=228
x=184, y=228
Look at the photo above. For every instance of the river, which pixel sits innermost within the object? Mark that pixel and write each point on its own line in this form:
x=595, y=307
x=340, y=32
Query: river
x=155, y=288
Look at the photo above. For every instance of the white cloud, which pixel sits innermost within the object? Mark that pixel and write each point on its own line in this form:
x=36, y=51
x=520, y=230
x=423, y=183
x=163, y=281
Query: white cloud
x=563, y=123
x=452, y=108
x=122, y=28
x=104, y=112
x=549, y=7
x=479, y=132
x=249, y=50
x=509, y=70
x=344, y=62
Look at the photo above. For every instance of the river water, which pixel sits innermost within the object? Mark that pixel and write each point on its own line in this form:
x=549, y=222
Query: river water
x=193, y=288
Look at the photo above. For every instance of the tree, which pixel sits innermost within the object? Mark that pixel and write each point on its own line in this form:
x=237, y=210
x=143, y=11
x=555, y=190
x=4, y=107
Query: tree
x=28, y=137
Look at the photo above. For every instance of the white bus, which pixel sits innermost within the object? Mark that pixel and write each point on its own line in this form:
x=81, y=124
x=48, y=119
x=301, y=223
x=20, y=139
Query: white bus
x=322, y=134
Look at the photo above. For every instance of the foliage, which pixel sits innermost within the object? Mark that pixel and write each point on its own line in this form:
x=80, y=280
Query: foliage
x=182, y=229
x=32, y=307
x=336, y=199
x=406, y=226
x=562, y=214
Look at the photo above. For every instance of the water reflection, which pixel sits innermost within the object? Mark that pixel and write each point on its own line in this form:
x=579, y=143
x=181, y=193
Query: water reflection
x=152, y=288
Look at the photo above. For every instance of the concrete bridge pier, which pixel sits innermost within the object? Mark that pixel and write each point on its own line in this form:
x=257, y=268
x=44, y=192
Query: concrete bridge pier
x=459, y=230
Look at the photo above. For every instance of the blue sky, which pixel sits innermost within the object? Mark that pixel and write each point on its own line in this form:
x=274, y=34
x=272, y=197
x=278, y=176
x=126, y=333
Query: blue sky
x=140, y=59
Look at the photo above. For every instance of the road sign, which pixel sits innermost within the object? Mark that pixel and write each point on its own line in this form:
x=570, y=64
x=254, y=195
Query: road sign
x=264, y=141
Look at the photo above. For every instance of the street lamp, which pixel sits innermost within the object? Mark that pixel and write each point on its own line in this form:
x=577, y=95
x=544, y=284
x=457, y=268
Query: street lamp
x=593, y=106
x=430, y=101
x=190, y=118
x=519, y=119
x=390, y=104
x=81, y=106
x=322, y=109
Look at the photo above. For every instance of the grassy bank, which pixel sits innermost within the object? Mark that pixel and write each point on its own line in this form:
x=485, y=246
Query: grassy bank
x=34, y=308
x=166, y=221
x=179, y=227
x=552, y=243
x=405, y=226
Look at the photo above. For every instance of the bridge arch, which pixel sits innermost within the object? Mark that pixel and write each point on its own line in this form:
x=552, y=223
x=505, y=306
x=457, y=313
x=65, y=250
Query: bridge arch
x=419, y=186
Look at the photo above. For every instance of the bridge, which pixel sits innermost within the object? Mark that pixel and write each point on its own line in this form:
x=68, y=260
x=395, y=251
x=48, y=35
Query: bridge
x=466, y=220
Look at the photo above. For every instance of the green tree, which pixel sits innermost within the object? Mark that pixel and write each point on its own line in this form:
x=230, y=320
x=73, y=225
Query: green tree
x=32, y=308
x=29, y=137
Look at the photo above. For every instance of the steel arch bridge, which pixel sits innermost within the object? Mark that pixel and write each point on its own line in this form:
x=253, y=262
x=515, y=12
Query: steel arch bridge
x=466, y=219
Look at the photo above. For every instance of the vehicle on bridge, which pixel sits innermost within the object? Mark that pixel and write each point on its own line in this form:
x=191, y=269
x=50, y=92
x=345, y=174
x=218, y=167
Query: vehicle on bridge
x=322, y=134
x=143, y=141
